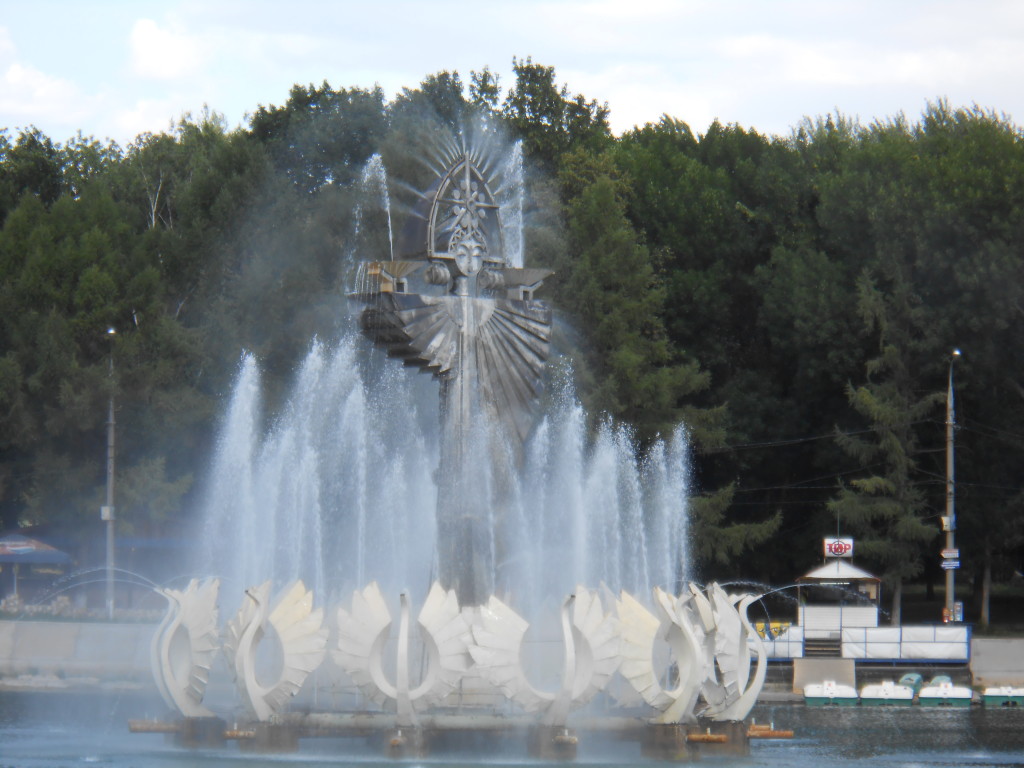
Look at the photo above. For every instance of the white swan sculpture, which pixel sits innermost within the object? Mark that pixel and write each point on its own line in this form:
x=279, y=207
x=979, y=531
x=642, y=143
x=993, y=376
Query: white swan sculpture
x=300, y=631
x=184, y=646
x=706, y=633
x=733, y=636
x=363, y=632
x=590, y=642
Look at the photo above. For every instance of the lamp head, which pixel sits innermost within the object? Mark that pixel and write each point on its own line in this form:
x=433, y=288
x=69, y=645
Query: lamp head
x=111, y=331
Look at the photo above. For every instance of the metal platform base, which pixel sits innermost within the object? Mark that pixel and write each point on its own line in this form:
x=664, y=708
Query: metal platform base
x=455, y=732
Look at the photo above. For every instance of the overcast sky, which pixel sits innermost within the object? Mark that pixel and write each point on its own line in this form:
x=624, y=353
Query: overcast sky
x=115, y=69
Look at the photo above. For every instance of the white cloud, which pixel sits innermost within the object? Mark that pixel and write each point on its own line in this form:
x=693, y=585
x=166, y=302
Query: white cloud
x=760, y=64
x=144, y=116
x=640, y=93
x=164, y=54
x=7, y=49
x=29, y=96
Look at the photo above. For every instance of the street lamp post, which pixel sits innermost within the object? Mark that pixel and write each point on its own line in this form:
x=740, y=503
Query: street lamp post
x=949, y=523
x=107, y=511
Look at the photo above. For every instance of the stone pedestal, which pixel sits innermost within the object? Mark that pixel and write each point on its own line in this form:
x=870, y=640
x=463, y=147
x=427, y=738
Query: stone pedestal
x=668, y=742
x=736, y=742
x=405, y=743
x=201, y=732
x=271, y=738
x=552, y=742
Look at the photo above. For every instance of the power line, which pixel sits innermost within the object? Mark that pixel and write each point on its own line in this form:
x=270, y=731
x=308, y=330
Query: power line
x=773, y=504
x=1015, y=488
x=790, y=441
x=799, y=485
x=789, y=488
x=798, y=440
x=991, y=431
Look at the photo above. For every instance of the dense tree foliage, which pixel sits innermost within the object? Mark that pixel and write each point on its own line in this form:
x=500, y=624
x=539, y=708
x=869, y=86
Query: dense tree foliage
x=792, y=299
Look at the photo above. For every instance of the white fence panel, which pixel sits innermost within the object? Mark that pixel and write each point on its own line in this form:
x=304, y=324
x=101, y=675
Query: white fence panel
x=854, y=650
x=882, y=651
x=937, y=651
x=939, y=643
x=953, y=634
x=917, y=634
x=789, y=644
x=854, y=635
x=883, y=634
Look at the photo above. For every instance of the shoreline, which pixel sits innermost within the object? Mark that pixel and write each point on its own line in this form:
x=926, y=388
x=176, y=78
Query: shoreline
x=93, y=656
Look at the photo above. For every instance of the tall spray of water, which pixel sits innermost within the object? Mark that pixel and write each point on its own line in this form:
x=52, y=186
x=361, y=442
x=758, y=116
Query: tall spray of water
x=341, y=486
x=374, y=182
x=510, y=196
x=372, y=229
x=335, y=490
x=588, y=510
x=340, y=489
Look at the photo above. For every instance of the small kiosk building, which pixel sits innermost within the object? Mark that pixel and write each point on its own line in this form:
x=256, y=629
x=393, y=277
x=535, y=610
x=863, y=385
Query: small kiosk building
x=835, y=596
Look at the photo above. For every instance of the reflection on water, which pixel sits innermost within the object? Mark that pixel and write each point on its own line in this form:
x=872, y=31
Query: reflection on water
x=879, y=736
x=51, y=730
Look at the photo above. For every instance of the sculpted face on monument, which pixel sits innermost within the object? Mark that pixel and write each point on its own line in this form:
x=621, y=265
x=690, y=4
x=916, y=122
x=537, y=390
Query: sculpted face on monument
x=469, y=256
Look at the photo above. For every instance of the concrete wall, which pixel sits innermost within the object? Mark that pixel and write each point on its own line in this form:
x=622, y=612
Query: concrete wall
x=997, y=661
x=807, y=671
x=109, y=652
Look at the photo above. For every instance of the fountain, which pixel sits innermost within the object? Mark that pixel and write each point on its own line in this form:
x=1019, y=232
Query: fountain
x=488, y=515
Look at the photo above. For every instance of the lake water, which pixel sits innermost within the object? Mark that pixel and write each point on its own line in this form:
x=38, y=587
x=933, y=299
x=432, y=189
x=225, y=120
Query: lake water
x=57, y=730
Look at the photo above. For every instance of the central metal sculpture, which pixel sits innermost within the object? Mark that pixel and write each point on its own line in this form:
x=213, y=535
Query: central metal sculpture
x=476, y=327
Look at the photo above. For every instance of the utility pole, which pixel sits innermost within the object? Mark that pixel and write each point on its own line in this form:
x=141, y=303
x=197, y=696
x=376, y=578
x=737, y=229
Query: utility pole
x=107, y=511
x=949, y=522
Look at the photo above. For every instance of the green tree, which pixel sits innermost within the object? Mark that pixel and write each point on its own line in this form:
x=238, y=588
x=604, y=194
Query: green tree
x=84, y=158
x=485, y=88
x=547, y=119
x=321, y=135
x=968, y=172
x=719, y=540
x=441, y=94
x=31, y=165
x=934, y=208
x=715, y=208
x=614, y=291
x=99, y=257
x=887, y=509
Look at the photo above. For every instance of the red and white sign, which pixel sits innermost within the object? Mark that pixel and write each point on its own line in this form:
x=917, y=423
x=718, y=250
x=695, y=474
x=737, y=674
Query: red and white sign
x=838, y=547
